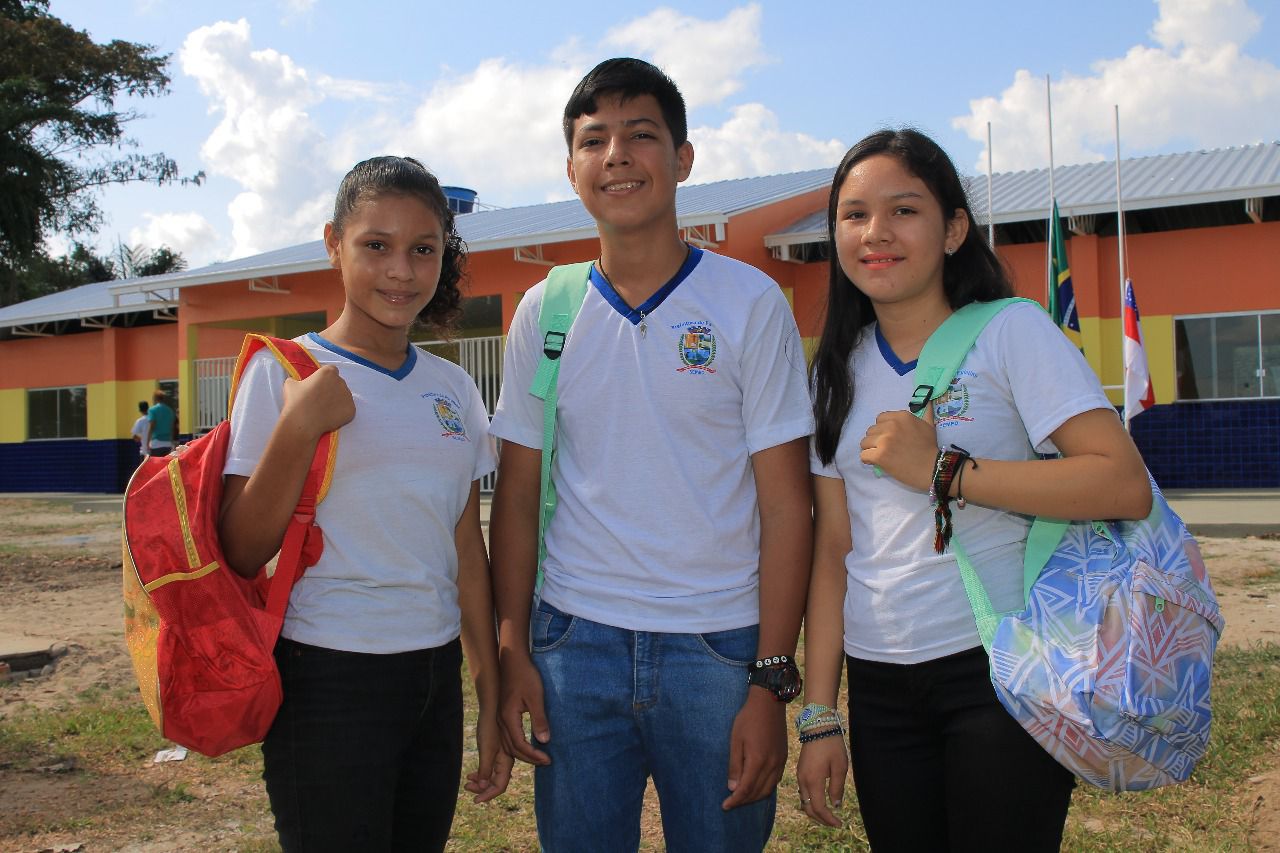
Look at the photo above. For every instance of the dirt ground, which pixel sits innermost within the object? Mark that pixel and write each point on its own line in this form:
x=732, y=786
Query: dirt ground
x=72, y=595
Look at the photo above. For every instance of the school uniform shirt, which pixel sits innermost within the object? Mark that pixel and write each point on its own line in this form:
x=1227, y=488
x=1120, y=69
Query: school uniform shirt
x=1021, y=381
x=657, y=526
x=387, y=580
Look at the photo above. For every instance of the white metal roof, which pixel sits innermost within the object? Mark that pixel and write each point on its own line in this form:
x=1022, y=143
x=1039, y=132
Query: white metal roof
x=1148, y=182
x=1162, y=180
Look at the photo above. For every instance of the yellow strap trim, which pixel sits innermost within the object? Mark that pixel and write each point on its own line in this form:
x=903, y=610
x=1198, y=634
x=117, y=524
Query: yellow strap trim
x=180, y=503
x=180, y=576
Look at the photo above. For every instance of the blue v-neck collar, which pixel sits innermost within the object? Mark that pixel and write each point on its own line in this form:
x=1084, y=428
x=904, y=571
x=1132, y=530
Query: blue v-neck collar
x=891, y=358
x=410, y=358
x=635, y=315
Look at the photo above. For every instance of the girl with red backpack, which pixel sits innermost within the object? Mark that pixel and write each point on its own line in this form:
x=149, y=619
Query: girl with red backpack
x=366, y=751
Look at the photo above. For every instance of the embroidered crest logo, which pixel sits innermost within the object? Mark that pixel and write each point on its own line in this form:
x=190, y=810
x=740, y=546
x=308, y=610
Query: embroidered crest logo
x=952, y=405
x=697, y=348
x=446, y=410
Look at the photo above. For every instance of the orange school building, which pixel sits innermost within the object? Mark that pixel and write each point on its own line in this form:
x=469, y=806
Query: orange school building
x=1203, y=251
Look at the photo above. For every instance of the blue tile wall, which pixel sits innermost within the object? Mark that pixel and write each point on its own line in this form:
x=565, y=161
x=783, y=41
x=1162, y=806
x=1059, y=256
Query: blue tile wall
x=74, y=465
x=1220, y=445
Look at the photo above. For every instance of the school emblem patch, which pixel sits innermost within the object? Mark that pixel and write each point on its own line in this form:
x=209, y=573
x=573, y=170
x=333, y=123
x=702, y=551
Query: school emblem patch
x=953, y=405
x=446, y=411
x=697, y=348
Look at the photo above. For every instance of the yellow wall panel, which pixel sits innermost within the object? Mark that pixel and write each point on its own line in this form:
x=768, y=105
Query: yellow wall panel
x=13, y=415
x=1157, y=333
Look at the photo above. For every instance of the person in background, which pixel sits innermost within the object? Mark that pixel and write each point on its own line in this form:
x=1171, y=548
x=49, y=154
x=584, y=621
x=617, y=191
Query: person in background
x=141, y=431
x=161, y=425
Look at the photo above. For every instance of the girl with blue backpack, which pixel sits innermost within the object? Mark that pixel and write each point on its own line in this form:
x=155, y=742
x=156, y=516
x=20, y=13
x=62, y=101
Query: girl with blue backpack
x=938, y=763
x=366, y=750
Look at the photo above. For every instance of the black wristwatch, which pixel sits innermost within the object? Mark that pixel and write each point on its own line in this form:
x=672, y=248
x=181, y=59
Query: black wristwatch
x=778, y=674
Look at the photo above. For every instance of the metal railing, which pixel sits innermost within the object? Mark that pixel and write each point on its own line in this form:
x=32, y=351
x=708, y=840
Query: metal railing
x=213, y=386
x=481, y=358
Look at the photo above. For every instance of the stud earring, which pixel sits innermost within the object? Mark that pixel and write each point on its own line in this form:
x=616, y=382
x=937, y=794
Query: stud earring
x=949, y=251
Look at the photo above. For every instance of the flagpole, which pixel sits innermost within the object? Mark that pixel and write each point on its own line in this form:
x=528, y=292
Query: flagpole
x=991, y=211
x=1048, y=101
x=1124, y=380
x=1119, y=213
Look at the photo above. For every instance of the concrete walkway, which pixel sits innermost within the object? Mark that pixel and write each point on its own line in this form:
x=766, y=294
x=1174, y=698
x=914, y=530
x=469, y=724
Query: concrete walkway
x=1207, y=512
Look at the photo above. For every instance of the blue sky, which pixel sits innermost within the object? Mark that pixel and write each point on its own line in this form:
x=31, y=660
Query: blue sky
x=274, y=100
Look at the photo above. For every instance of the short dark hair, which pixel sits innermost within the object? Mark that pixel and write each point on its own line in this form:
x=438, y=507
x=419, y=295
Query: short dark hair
x=406, y=176
x=973, y=273
x=143, y=406
x=628, y=78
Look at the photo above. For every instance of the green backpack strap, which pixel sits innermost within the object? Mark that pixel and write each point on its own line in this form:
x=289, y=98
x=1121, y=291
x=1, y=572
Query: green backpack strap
x=562, y=297
x=939, y=360
x=948, y=347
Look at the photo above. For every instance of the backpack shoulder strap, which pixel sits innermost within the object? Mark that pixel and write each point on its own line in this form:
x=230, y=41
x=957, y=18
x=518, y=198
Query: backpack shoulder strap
x=562, y=298
x=941, y=357
x=302, y=542
x=948, y=347
x=298, y=362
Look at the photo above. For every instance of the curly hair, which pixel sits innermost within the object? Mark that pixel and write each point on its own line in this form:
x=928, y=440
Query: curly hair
x=406, y=176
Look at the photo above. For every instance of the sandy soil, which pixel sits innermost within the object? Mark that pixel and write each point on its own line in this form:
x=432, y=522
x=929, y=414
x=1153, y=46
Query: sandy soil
x=71, y=594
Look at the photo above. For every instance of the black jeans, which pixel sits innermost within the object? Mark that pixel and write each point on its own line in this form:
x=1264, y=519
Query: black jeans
x=366, y=752
x=939, y=764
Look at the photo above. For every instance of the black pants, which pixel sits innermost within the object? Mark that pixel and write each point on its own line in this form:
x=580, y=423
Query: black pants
x=939, y=764
x=366, y=752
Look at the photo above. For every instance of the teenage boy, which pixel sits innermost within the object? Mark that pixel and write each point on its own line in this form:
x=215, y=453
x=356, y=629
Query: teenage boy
x=684, y=503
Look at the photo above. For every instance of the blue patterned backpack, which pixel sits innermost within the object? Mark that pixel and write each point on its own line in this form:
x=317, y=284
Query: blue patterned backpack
x=1109, y=665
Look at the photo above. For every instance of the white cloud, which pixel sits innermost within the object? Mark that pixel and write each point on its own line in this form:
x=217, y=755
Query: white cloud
x=496, y=129
x=751, y=143
x=705, y=58
x=266, y=140
x=1196, y=87
x=188, y=233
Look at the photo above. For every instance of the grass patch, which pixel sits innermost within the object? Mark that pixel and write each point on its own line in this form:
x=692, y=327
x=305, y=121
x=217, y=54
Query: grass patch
x=1208, y=811
x=107, y=741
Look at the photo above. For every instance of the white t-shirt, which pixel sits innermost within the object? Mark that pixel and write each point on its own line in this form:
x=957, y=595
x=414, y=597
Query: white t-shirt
x=657, y=526
x=387, y=581
x=141, y=429
x=1022, y=380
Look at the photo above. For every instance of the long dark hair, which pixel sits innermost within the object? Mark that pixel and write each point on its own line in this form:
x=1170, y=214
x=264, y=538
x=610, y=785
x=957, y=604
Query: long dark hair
x=406, y=176
x=972, y=274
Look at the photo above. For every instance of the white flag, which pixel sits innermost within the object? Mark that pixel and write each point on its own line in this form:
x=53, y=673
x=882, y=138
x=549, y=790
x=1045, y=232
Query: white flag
x=1138, y=393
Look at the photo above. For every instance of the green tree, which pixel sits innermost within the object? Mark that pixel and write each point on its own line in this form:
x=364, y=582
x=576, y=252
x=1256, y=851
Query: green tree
x=61, y=134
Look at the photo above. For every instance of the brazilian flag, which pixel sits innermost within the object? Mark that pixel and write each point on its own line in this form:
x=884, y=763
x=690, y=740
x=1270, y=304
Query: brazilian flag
x=1062, y=296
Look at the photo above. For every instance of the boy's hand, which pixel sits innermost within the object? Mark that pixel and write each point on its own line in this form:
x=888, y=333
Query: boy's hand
x=820, y=774
x=320, y=403
x=904, y=446
x=521, y=694
x=494, y=773
x=757, y=748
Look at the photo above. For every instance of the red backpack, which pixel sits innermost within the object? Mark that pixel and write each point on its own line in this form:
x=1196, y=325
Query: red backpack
x=201, y=636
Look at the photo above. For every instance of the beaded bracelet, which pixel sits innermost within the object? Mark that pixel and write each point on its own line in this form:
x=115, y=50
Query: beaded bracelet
x=809, y=738
x=814, y=716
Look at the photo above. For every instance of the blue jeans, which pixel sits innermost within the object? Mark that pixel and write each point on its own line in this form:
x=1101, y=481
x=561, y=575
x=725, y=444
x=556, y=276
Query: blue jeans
x=366, y=752
x=625, y=705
